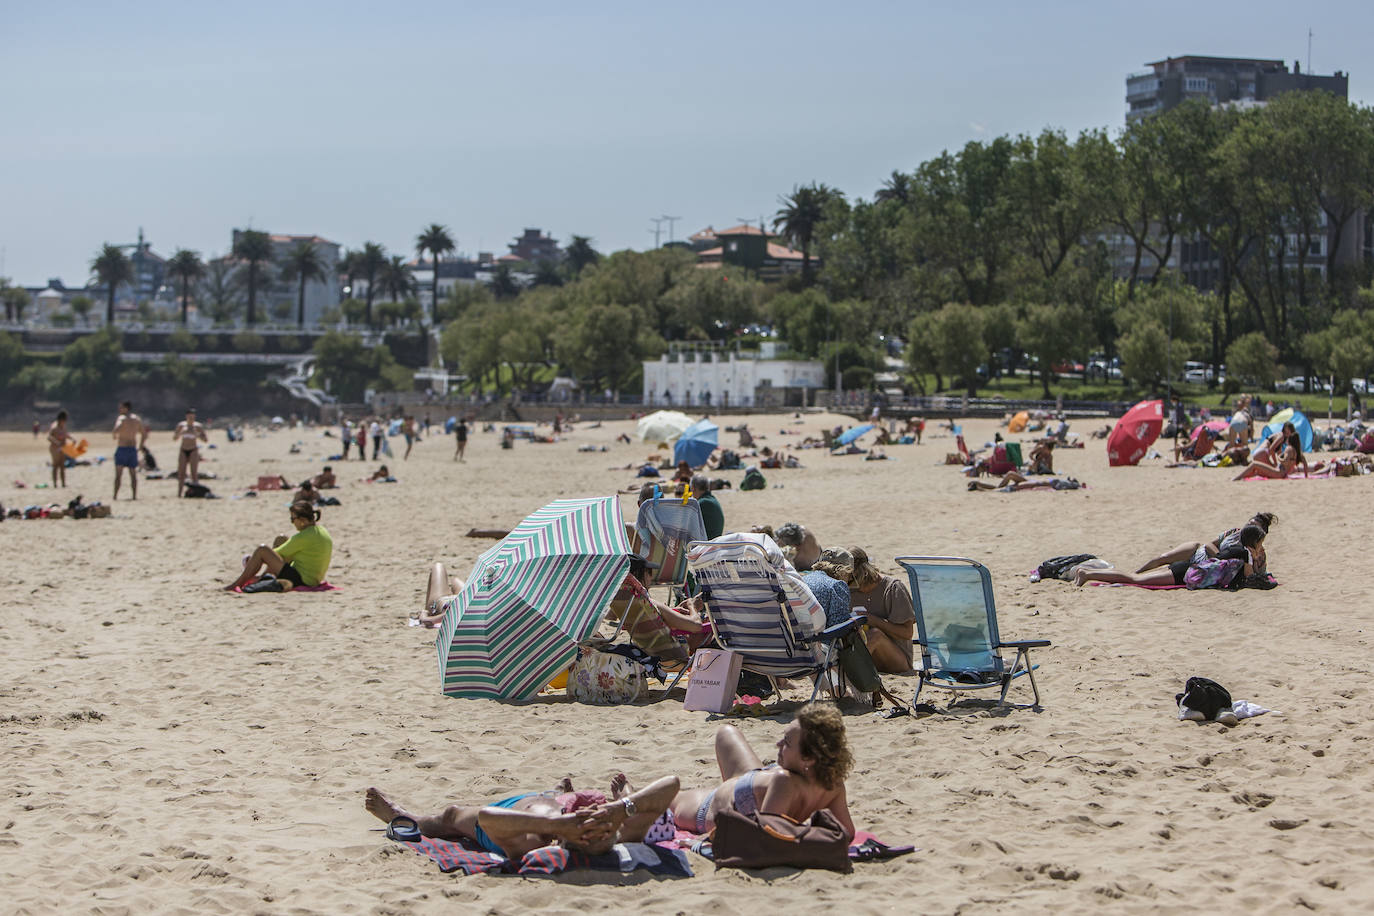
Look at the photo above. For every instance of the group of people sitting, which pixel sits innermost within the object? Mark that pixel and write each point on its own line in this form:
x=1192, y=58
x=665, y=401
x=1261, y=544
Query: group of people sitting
x=813, y=760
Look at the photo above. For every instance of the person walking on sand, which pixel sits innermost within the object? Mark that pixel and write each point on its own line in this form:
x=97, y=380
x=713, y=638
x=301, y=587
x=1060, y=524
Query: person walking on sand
x=58, y=437
x=460, y=432
x=130, y=434
x=189, y=434
x=375, y=430
x=408, y=429
x=362, y=440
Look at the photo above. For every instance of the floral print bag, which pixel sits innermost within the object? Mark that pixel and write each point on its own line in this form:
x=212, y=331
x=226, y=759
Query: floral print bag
x=605, y=679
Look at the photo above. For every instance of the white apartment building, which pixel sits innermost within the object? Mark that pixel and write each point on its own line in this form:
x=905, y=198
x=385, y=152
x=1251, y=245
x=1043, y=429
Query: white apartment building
x=707, y=374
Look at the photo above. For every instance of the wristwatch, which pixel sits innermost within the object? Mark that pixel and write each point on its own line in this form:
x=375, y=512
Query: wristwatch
x=630, y=809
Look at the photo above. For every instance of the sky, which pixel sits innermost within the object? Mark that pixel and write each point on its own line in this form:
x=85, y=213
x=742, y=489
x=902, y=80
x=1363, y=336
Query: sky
x=368, y=121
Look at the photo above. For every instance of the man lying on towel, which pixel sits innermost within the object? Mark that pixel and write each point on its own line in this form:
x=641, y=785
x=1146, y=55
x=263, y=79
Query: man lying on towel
x=513, y=826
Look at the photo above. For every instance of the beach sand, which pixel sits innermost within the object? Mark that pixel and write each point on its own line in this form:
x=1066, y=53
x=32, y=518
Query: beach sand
x=170, y=747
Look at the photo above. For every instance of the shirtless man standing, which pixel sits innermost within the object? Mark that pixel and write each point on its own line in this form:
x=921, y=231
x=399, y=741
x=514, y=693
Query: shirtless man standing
x=130, y=434
x=188, y=454
x=58, y=437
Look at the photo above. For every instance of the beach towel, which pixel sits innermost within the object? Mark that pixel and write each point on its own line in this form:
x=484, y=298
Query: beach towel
x=451, y=856
x=322, y=587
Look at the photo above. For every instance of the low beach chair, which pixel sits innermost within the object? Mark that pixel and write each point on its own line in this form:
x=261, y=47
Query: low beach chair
x=956, y=628
x=666, y=526
x=770, y=618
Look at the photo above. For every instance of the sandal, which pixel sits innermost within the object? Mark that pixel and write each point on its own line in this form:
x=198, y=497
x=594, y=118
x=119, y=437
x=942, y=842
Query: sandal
x=403, y=829
x=870, y=850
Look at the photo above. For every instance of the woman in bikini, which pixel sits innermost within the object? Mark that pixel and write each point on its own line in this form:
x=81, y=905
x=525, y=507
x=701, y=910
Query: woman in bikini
x=189, y=434
x=58, y=437
x=813, y=760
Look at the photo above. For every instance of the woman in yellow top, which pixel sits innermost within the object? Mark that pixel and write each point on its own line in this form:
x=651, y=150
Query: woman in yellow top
x=303, y=559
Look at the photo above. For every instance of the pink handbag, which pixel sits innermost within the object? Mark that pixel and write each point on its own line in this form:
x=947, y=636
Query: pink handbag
x=715, y=672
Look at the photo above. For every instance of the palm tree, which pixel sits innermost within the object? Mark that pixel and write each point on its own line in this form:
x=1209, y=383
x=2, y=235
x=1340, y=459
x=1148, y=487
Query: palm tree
x=897, y=187
x=396, y=279
x=254, y=248
x=186, y=266
x=112, y=267
x=371, y=260
x=348, y=269
x=799, y=217
x=503, y=284
x=436, y=240
x=581, y=253
x=219, y=291
x=303, y=264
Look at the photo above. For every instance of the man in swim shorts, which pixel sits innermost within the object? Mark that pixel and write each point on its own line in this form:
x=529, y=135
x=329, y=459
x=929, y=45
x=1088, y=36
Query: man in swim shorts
x=525, y=821
x=130, y=434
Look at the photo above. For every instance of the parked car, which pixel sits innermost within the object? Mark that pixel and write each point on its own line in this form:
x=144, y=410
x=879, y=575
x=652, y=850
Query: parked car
x=1295, y=383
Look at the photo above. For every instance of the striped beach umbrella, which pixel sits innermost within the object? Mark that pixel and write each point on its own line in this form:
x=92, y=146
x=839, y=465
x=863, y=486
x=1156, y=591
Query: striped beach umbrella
x=531, y=599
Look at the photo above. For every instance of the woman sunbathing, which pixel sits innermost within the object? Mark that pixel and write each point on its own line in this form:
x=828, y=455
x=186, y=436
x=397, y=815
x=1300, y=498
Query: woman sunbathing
x=301, y=560
x=1198, y=551
x=813, y=761
x=441, y=586
x=516, y=825
x=1249, y=550
x=1279, y=457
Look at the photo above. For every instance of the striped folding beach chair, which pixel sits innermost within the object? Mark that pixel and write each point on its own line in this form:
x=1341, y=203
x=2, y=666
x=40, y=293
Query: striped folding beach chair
x=760, y=608
x=666, y=526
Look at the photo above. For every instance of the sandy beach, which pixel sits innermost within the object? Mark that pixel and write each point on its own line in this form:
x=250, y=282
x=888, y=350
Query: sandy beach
x=169, y=747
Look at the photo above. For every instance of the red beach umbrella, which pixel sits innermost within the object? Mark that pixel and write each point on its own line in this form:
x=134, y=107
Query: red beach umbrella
x=1134, y=432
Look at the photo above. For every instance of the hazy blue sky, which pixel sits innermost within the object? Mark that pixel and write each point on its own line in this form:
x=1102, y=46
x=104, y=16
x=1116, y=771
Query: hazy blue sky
x=367, y=121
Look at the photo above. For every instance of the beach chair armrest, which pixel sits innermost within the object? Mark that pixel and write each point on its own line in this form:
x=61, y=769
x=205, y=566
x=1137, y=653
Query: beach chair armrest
x=1025, y=644
x=839, y=629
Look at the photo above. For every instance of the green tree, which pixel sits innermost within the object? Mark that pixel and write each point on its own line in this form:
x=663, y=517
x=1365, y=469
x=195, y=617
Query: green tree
x=958, y=332
x=395, y=279
x=1052, y=334
x=81, y=306
x=254, y=248
x=1345, y=349
x=94, y=360
x=181, y=341
x=923, y=352
x=303, y=263
x=185, y=265
x=503, y=284
x=581, y=254
x=897, y=188
x=999, y=333
x=16, y=300
x=348, y=367
x=220, y=290
x=370, y=263
x=436, y=240
x=460, y=298
x=799, y=218
x=1251, y=357
x=112, y=269
x=249, y=341
x=1049, y=199
x=11, y=357
x=1144, y=354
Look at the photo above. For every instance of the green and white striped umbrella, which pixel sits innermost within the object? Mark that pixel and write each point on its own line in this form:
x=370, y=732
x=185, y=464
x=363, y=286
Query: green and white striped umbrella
x=531, y=599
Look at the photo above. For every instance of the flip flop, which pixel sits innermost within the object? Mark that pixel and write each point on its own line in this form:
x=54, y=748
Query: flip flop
x=403, y=829
x=871, y=850
x=894, y=712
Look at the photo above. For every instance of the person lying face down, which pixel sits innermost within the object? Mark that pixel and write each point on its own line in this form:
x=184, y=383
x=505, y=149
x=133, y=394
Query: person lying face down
x=1248, y=548
x=526, y=821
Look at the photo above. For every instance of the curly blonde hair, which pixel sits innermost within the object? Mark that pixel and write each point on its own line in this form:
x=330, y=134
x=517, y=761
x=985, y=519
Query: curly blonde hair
x=823, y=740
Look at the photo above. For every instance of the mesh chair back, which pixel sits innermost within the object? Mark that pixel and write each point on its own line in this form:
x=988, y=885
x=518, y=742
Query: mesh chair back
x=956, y=619
x=666, y=527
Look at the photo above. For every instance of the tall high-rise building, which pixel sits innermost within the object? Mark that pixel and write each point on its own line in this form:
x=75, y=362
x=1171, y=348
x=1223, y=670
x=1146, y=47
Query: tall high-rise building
x=1219, y=81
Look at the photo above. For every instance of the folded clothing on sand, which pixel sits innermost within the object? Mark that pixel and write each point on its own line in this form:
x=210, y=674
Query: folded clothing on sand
x=451, y=856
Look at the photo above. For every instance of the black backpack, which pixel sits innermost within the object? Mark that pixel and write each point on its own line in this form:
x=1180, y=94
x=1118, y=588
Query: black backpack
x=197, y=491
x=1207, y=697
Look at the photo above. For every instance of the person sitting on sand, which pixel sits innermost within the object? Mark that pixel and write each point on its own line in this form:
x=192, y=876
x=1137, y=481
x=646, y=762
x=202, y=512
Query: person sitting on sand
x=325, y=479
x=813, y=761
x=1198, y=551
x=527, y=821
x=1041, y=459
x=1250, y=543
x=889, y=614
x=1196, y=448
x=1283, y=456
x=301, y=560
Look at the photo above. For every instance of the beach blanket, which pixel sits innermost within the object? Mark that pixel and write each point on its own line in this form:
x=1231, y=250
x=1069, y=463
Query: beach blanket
x=865, y=847
x=1269, y=579
x=322, y=587
x=551, y=860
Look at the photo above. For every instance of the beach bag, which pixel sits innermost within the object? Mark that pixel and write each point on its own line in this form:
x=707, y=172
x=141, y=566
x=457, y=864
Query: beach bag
x=1062, y=567
x=604, y=679
x=857, y=663
x=753, y=480
x=1211, y=573
x=197, y=491
x=714, y=675
x=1206, y=696
x=763, y=840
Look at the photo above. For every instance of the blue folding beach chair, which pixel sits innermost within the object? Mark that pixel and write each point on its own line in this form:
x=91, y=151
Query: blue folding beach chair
x=772, y=620
x=666, y=527
x=956, y=628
